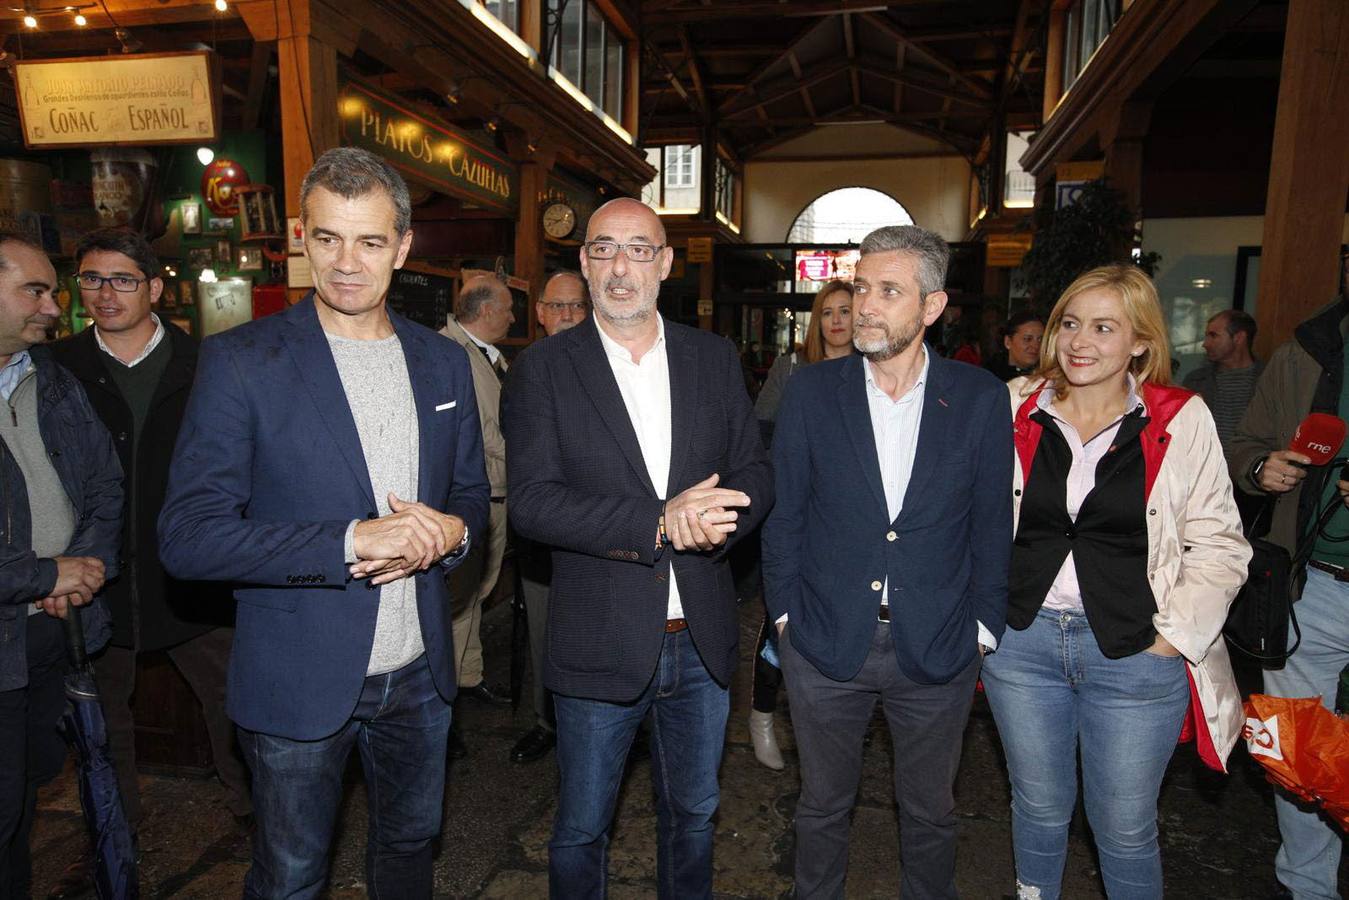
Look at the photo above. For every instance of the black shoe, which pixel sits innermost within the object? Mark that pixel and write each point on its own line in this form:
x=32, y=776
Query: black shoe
x=456, y=749
x=484, y=693
x=534, y=745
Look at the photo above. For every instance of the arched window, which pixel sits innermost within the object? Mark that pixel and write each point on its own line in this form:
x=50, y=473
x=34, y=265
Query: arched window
x=845, y=216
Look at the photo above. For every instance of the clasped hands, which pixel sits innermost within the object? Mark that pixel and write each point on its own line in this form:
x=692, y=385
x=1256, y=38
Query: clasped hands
x=411, y=538
x=78, y=578
x=702, y=516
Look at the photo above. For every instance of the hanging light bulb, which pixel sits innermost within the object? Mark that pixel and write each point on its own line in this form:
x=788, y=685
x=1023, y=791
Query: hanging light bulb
x=80, y=20
x=221, y=5
x=205, y=155
x=30, y=21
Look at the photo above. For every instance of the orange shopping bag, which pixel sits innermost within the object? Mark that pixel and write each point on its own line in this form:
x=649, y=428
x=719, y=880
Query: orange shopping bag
x=1304, y=748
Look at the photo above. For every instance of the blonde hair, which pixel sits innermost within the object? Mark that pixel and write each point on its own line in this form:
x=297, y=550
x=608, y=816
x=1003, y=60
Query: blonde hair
x=1142, y=309
x=814, y=351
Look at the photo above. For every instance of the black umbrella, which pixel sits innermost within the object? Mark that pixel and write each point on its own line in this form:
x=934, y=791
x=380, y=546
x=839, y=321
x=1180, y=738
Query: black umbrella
x=85, y=728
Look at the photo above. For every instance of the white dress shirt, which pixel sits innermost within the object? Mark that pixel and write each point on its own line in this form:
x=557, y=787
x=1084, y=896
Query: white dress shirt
x=1065, y=593
x=493, y=354
x=148, y=349
x=645, y=386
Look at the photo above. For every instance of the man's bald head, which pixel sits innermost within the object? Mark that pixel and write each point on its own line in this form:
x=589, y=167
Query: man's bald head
x=625, y=207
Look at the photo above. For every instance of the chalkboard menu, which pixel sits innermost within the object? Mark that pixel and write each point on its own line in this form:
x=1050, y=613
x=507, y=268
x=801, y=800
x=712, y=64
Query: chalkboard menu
x=421, y=296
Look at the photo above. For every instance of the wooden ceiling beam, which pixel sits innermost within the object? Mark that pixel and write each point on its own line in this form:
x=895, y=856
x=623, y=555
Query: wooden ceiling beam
x=947, y=92
x=696, y=74
x=806, y=99
x=938, y=59
x=743, y=9
x=758, y=71
x=786, y=87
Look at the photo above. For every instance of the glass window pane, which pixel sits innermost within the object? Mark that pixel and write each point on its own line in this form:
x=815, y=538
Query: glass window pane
x=594, y=54
x=1089, y=10
x=1070, y=46
x=613, y=74
x=569, y=42
x=508, y=11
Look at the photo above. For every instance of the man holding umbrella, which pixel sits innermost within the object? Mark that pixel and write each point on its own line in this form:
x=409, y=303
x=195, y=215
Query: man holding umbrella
x=61, y=488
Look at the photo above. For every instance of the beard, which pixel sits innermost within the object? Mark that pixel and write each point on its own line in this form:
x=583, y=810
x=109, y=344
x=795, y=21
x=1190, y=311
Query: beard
x=888, y=344
x=638, y=308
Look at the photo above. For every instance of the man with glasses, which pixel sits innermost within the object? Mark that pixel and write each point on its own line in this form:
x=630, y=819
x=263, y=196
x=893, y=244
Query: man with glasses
x=563, y=303
x=635, y=455
x=137, y=370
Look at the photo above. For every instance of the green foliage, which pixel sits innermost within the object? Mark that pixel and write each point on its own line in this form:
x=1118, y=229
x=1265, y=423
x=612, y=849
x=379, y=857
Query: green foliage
x=1096, y=230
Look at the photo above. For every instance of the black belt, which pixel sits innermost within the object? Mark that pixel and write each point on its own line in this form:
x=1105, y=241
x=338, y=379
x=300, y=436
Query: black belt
x=498, y=499
x=1340, y=572
x=883, y=614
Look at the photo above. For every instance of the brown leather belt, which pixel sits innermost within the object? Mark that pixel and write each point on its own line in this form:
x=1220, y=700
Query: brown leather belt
x=1340, y=573
x=673, y=625
x=883, y=614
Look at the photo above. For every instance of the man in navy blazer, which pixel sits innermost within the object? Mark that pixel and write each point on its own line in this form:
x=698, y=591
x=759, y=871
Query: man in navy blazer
x=330, y=465
x=885, y=561
x=633, y=451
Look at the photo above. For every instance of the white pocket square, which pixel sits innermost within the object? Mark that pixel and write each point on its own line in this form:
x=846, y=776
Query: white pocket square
x=451, y=405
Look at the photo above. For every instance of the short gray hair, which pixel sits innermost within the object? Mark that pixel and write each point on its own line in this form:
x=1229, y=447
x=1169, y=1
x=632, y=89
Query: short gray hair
x=468, y=305
x=16, y=237
x=351, y=172
x=933, y=253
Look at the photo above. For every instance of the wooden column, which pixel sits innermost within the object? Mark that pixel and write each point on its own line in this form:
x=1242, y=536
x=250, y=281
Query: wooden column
x=1308, y=173
x=529, y=241
x=1123, y=142
x=1058, y=20
x=308, y=36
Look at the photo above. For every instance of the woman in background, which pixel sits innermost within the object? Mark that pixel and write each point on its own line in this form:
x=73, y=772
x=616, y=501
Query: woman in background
x=829, y=337
x=1128, y=552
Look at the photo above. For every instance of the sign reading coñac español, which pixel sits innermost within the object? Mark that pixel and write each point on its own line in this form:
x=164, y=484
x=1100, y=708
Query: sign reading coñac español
x=432, y=151
x=147, y=98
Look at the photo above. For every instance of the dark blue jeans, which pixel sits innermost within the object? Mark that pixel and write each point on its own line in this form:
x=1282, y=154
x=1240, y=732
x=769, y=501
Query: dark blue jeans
x=688, y=732
x=400, y=725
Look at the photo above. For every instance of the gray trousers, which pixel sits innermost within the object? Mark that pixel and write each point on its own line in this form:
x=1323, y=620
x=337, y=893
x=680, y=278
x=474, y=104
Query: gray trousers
x=830, y=719
x=536, y=610
x=203, y=661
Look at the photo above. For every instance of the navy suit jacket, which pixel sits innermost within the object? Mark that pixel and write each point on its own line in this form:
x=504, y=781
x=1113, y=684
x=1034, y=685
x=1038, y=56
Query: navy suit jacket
x=267, y=476
x=579, y=484
x=830, y=545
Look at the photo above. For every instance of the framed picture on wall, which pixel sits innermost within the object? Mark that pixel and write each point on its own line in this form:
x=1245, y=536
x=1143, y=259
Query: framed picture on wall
x=191, y=218
x=257, y=212
x=201, y=257
x=249, y=259
x=224, y=252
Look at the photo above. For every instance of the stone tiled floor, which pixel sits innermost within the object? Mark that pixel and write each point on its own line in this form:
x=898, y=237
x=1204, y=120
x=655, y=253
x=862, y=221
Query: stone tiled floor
x=1218, y=833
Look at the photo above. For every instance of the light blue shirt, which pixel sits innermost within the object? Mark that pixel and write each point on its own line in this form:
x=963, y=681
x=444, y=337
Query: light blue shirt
x=13, y=373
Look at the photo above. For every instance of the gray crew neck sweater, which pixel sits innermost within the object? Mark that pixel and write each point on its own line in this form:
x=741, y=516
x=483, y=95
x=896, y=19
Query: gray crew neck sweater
x=375, y=378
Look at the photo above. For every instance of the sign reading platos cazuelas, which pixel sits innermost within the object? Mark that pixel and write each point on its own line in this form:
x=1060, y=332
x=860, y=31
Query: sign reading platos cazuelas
x=139, y=99
x=456, y=162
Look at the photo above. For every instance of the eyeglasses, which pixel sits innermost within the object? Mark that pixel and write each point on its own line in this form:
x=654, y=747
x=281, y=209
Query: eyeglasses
x=551, y=306
x=124, y=284
x=643, y=253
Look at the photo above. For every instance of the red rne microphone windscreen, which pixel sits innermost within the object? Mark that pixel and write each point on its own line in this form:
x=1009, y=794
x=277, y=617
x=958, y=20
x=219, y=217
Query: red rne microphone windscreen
x=1319, y=436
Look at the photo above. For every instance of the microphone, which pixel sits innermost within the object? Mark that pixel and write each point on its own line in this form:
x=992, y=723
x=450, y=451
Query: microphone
x=1320, y=437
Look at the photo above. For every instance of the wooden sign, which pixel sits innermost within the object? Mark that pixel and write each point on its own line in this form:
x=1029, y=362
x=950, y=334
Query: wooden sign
x=430, y=150
x=138, y=99
x=700, y=250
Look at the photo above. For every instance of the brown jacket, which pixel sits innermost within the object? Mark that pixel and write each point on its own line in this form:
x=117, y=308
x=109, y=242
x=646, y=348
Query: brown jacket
x=487, y=389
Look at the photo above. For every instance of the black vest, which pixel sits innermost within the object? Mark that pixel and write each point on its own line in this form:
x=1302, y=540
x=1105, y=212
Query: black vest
x=1109, y=540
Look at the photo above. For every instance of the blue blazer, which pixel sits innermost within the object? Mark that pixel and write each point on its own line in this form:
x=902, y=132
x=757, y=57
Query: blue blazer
x=827, y=546
x=579, y=484
x=267, y=476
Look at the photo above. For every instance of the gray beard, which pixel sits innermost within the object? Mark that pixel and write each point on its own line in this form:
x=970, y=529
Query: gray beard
x=637, y=314
x=881, y=349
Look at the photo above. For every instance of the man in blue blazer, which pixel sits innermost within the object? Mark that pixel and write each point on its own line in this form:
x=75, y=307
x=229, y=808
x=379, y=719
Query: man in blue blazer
x=885, y=561
x=633, y=451
x=330, y=465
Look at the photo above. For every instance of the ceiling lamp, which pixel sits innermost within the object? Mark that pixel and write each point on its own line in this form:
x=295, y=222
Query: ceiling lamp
x=221, y=5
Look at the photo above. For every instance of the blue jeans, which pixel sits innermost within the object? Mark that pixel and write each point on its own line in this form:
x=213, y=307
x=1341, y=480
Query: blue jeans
x=1308, y=861
x=688, y=732
x=400, y=725
x=1053, y=691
